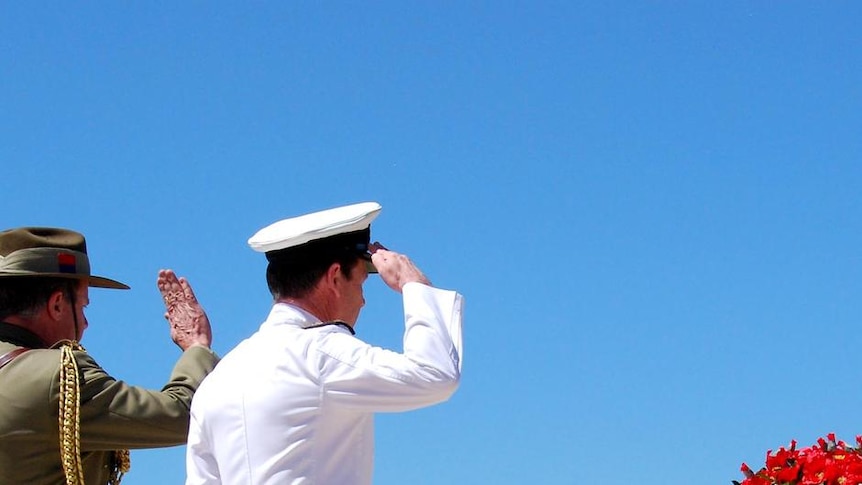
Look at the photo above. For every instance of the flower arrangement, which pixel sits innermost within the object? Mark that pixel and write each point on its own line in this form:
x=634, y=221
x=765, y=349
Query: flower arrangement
x=829, y=462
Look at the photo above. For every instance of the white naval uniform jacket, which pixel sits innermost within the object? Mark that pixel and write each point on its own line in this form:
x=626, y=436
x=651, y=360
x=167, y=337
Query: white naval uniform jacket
x=294, y=405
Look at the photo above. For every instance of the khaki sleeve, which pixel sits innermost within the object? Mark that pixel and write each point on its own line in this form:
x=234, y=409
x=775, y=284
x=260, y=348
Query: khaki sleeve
x=115, y=415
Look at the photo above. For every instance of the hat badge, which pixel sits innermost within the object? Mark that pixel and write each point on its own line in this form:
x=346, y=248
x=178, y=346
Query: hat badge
x=66, y=263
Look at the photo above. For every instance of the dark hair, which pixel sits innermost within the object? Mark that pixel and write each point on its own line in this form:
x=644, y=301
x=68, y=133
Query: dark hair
x=293, y=271
x=21, y=296
x=295, y=278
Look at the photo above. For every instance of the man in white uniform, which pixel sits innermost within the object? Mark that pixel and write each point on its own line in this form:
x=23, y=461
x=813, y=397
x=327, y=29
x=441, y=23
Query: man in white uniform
x=294, y=403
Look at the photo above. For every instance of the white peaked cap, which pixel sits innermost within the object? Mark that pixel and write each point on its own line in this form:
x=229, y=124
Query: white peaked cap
x=295, y=231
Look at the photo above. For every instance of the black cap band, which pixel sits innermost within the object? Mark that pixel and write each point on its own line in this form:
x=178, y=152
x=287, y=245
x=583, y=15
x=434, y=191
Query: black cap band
x=348, y=243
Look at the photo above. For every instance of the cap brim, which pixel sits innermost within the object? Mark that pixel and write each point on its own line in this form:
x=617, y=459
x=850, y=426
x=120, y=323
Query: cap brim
x=92, y=281
x=100, y=282
x=368, y=264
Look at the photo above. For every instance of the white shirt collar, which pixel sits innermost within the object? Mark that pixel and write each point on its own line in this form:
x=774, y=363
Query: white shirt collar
x=285, y=314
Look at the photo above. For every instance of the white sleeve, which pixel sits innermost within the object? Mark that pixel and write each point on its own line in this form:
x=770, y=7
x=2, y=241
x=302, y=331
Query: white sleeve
x=368, y=378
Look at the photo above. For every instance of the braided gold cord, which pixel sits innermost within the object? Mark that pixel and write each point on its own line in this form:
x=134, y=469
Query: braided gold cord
x=122, y=462
x=70, y=406
x=70, y=423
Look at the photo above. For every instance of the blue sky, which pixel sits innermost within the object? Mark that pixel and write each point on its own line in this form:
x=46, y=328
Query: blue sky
x=651, y=208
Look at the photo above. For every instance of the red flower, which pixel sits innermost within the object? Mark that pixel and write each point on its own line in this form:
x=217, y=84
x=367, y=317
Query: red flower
x=829, y=462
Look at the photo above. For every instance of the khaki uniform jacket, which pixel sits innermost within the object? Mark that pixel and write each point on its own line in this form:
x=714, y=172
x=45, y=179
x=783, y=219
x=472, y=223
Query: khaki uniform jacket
x=114, y=415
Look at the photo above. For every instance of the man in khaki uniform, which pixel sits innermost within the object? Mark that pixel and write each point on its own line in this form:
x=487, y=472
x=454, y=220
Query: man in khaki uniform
x=64, y=419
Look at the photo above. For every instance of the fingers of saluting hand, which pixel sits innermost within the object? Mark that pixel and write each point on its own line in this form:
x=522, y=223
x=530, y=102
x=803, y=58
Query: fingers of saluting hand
x=187, y=290
x=382, y=259
x=166, y=278
x=170, y=288
x=396, y=269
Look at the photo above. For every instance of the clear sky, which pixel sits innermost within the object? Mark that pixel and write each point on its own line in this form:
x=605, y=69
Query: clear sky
x=652, y=208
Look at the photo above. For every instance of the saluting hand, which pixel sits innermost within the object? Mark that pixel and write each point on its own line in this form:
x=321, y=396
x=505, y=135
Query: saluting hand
x=396, y=269
x=189, y=323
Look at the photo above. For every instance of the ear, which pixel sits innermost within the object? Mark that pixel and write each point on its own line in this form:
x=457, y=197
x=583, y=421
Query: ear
x=334, y=278
x=55, y=308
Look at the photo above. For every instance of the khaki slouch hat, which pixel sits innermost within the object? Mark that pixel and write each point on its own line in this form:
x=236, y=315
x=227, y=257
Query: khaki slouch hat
x=48, y=252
